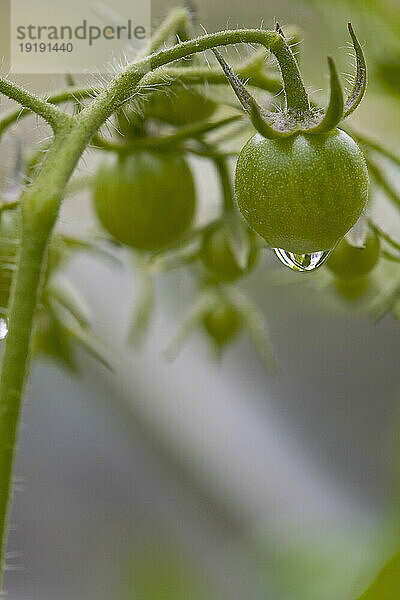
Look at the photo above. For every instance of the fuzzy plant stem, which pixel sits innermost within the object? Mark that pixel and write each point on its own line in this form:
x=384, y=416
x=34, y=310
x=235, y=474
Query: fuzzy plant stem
x=40, y=204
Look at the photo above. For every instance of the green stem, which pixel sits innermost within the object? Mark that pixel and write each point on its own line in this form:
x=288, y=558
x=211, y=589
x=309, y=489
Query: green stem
x=50, y=113
x=74, y=94
x=225, y=181
x=248, y=69
x=162, y=142
x=199, y=75
x=295, y=92
x=14, y=365
x=39, y=205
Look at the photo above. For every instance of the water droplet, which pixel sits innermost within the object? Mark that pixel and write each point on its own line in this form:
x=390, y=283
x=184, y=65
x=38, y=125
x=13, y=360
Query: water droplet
x=3, y=328
x=302, y=262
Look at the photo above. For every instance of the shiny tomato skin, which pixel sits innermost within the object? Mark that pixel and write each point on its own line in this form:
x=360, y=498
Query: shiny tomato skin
x=304, y=192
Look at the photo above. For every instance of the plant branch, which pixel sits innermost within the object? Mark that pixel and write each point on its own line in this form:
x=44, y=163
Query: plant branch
x=54, y=116
x=225, y=182
x=70, y=94
x=159, y=142
x=198, y=75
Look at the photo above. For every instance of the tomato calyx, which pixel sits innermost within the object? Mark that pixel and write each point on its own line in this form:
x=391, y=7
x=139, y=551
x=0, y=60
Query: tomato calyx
x=298, y=115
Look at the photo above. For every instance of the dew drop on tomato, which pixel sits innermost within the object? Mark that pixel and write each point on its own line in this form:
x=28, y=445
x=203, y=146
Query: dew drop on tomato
x=302, y=262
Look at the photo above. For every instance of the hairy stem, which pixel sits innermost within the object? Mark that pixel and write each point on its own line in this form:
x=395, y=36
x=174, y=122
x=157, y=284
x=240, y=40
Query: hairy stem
x=49, y=112
x=296, y=95
x=71, y=94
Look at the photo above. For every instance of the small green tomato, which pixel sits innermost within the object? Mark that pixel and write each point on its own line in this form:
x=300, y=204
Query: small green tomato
x=222, y=323
x=348, y=262
x=302, y=193
x=219, y=258
x=352, y=290
x=179, y=106
x=145, y=200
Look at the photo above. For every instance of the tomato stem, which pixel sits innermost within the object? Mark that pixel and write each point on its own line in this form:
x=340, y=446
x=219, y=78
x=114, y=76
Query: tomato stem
x=295, y=92
x=224, y=175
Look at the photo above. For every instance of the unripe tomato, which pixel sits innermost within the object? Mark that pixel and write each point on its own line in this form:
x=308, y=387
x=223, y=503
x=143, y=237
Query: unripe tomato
x=222, y=323
x=352, y=289
x=131, y=122
x=217, y=255
x=304, y=192
x=348, y=262
x=180, y=106
x=146, y=200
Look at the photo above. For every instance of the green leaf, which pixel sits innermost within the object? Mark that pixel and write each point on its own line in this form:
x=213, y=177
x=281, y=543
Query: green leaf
x=387, y=585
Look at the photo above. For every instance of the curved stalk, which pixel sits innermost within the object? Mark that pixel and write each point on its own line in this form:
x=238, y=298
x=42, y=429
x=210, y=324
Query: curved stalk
x=295, y=92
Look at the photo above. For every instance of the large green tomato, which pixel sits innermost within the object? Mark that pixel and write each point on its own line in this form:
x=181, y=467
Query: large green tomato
x=179, y=106
x=217, y=254
x=348, y=262
x=146, y=200
x=304, y=192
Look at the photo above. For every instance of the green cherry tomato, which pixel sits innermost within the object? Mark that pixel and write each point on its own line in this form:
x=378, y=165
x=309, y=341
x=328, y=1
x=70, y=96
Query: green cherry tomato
x=219, y=258
x=180, y=106
x=348, y=262
x=146, y=200
x=222, y=323
x=352, y=289
x=304, y=192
